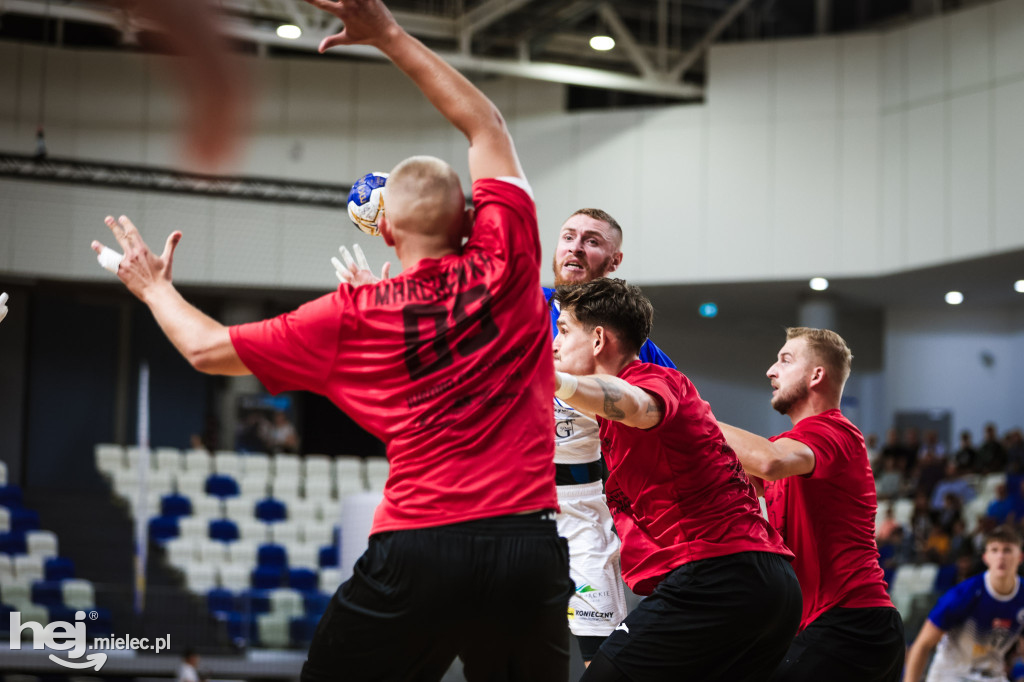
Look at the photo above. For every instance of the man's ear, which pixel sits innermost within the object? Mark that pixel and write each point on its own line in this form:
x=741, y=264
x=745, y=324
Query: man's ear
x=385, y=230
x=616, y=262
x=818, y=375
x=599, y=340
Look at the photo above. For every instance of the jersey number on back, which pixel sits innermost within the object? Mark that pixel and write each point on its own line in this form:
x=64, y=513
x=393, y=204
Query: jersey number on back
x=428, y=336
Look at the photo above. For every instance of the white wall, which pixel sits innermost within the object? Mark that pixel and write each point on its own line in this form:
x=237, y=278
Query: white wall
x=933, y=360
x=854, y=155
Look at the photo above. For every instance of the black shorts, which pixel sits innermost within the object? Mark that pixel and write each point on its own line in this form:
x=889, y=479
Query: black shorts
x=492, y=592
x=847, y=645
x=730, y=618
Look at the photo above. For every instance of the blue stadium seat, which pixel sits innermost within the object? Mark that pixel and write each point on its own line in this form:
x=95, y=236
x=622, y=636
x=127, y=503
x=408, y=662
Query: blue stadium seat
x=254, y=602
x=48, y=593
x=240, y=630
x=221, y=485
x=270, y=509
x=303, y=579
x=10, y=496
x=13, y=543
x=175, y=505
x=163, y=528
x=59, y=568
x=24, y=519
x=224, y=530
x=316, y=602
x=220, y=600
x=328, y=557
x=267, y=577
x=272, y=555
x=301, y=629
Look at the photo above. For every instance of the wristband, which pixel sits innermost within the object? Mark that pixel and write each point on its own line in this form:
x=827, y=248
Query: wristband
x=567, y=385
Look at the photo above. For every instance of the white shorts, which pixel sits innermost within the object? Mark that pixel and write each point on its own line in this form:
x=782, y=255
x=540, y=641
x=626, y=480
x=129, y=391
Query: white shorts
x=599, y=603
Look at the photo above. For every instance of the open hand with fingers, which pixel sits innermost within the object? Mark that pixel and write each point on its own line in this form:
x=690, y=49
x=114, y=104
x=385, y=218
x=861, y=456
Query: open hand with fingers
x=367, y=22
x=140, y=269
x=357, y=272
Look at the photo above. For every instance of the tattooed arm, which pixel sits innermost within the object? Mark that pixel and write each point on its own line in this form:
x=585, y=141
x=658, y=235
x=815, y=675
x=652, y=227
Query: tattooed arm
x=612, y=398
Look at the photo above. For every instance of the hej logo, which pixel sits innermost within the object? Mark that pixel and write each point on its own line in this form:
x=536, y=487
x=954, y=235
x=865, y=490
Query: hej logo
x=60, y=636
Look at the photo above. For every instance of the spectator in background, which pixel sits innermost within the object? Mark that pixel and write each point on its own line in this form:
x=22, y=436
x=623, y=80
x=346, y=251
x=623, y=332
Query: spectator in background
x=283, y=437
x=893, y=447
x=953, y=484
x=949, y=513
x=991, y=453
x=930, y=470
x=966, y=456
x=888, y=525
x=1015, y=451
x=874, y=452
x=253, y=433
x=188, y=671
x=912, y=446
x=1002, y=507
x=889, y=481
x=933, y=444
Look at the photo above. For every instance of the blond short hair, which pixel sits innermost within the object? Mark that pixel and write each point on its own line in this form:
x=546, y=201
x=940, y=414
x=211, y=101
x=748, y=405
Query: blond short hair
x=424, y=195
x=828, y=347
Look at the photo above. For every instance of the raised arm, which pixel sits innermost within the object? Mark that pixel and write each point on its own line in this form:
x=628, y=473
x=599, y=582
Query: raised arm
x=368, y=22
x=610, y=397
x=766, y=459
x=203, y=341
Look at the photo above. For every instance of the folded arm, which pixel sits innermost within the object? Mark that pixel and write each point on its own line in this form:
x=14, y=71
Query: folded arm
x=611, y=398
x=766, y=459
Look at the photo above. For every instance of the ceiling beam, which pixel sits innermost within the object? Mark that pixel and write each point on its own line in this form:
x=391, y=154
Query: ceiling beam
x=625, y=38
x=698, y=50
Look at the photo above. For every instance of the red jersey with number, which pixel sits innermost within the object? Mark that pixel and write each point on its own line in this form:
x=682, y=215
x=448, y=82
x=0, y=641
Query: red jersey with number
x=677, y=492
x=448, y=363
x=828, y=518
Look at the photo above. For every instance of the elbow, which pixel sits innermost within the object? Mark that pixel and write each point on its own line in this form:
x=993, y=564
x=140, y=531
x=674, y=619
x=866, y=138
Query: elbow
x=767, y=467
x=202, y=359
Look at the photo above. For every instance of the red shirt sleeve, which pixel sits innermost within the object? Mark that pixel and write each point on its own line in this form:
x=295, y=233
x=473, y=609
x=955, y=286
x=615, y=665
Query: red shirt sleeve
x=296, y=350
x=830, y=458
x=506, y=221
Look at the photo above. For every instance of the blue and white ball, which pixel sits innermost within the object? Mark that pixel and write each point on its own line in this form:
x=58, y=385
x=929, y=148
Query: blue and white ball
x=366, y=202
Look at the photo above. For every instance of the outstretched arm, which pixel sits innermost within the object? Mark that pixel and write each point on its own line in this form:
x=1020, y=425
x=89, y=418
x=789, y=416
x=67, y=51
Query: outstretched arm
x=610, y=397
x=766, y=459
x=921, y=650
x=204, y=342
x=368, y=22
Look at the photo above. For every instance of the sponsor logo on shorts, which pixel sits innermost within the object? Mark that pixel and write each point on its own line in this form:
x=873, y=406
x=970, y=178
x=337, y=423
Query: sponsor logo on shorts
x=623, y=627
x=572, y=613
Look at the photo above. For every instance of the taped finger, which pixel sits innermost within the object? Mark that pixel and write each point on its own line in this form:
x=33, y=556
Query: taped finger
x=110, y=259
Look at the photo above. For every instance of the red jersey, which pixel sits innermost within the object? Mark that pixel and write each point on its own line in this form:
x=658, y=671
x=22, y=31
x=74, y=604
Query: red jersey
x=677, y=492
x=448, y=363
x=828, y=518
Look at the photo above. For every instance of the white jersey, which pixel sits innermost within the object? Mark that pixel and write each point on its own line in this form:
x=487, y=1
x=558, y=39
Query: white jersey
x=577, y=437
x=980, y=626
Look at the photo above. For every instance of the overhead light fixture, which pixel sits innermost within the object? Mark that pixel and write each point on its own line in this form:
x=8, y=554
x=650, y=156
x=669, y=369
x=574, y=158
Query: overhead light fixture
x=289, y=31
x=709, y=309
x=1018, y=286
x=819, y=283
x=954, y=298
x=602, y=43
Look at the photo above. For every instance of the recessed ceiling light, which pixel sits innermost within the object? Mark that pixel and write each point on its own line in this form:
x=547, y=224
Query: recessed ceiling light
x=602, y=43
x=1019, y=286
x=819, y=283
x=954, y=298
x=289, y=31
x=709, y=309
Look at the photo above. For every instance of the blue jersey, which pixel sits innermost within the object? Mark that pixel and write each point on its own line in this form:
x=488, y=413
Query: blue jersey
x=648, y=352
x=980, y=626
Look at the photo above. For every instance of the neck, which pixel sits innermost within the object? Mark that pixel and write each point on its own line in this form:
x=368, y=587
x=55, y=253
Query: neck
x=415, y=248
x=1004, y=583
x=613, y=365
x=814, y=403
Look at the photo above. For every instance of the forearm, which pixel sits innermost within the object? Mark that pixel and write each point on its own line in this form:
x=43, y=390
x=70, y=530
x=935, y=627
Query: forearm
x=615, y=399
x=204, y=342
x=917, y=659
x=753, y=451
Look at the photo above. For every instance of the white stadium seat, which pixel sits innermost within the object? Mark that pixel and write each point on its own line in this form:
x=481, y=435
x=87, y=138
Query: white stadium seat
x=198, y=461
x=78, y=593
x=287, y=465
x=227, y=462
x=256, y=464
x=41, y=543
x=317, y=466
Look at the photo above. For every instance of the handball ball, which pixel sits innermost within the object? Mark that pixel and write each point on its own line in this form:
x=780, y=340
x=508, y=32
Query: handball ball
x=366, y=202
